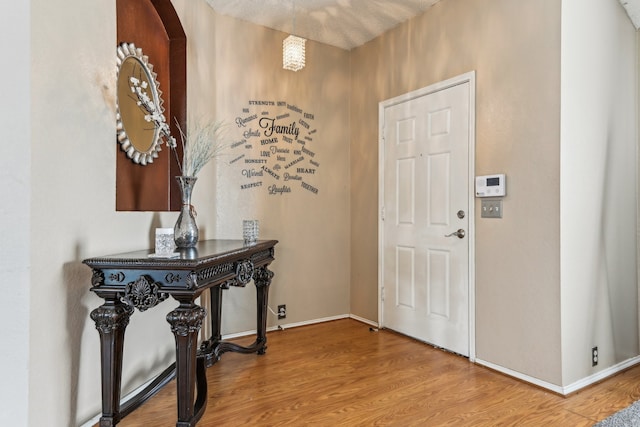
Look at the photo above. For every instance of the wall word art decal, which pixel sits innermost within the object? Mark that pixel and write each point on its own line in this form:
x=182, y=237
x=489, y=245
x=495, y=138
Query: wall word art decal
x=274, y=148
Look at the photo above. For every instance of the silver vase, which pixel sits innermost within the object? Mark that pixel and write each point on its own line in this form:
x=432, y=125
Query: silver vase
x=186, y=230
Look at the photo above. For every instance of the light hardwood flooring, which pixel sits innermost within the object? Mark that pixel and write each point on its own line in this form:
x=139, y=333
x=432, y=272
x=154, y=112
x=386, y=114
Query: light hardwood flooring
x=340, y=373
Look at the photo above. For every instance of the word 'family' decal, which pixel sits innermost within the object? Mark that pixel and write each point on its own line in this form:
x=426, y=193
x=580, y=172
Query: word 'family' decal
x=274, y=150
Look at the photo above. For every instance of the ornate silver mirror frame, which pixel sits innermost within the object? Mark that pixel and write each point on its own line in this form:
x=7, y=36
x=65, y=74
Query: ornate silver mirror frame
x=141, y=126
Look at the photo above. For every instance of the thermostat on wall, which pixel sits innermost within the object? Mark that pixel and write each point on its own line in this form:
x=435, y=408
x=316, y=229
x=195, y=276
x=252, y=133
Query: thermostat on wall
x=491, y=185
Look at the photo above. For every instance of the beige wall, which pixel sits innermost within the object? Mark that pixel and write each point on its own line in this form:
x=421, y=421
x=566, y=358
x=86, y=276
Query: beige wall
x=557, y=275
x=73, y=191
x=599, y=188
x=15, y=208
x=514, y=48
x=226, y=72
x=517, y=132
x=73, y=214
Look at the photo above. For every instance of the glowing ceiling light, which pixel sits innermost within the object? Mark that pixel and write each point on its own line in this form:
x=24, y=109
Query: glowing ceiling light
x=293, y=48
x=293, y=53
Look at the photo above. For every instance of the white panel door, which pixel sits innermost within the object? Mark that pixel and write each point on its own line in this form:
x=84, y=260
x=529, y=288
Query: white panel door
x=425, y=249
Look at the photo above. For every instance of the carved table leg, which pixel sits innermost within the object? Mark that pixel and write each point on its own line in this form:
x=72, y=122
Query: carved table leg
x=111, y=320
x=262, y=278
x=185, y=322
x=216, y=313
x=210, y=348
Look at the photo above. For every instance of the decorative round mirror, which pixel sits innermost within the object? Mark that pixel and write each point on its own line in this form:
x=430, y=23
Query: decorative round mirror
x=140, y=121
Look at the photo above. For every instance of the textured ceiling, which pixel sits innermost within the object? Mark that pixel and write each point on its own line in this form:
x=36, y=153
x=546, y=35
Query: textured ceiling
x=633, y=10
x=342, y=23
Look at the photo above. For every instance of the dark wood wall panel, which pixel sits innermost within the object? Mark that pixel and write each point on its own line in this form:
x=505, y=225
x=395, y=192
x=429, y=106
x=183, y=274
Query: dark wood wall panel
x=154, y=26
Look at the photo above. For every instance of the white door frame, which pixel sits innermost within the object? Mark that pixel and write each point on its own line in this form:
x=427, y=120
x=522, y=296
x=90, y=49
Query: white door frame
x=470, y=78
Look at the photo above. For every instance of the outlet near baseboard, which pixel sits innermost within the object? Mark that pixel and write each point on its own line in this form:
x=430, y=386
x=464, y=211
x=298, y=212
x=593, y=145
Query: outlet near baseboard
x=282, y=311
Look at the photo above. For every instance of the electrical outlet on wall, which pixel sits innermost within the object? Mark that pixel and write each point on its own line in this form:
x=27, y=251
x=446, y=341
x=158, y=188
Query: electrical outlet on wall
x=282, y=311
x=594, y=356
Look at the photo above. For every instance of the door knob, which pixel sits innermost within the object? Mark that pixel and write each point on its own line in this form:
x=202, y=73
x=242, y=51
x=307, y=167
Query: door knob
x=460, y=233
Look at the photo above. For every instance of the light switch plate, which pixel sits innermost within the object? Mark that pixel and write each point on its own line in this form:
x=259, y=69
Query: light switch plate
x=491, y=208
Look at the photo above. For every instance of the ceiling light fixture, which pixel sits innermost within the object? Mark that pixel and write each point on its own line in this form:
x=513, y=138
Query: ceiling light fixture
x=293, y=49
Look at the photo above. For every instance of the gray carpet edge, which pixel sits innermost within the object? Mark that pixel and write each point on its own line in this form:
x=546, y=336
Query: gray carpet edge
x=627, y=417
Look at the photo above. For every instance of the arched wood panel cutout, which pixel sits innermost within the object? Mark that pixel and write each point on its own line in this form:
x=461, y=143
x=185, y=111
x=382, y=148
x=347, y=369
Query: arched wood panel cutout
x=154, y=26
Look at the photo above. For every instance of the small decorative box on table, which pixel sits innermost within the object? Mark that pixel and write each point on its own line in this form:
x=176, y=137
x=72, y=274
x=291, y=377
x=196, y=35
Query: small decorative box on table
x=135, y=280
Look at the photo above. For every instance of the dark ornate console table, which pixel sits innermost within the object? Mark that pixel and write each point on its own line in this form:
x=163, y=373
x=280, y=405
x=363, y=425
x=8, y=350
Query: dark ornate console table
x=134, y=280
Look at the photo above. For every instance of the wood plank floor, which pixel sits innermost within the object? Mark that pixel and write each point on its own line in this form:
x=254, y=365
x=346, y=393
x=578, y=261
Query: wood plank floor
x=342, y=374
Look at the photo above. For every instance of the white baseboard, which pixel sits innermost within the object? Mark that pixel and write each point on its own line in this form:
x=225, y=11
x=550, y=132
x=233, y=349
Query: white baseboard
x=600, y=375
x=285, y=326
x=571, y=388
x=95, y=420
x=363, y=320
x=549, y=386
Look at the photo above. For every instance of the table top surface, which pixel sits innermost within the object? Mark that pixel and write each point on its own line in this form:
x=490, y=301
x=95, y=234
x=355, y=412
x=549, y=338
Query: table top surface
x=205, y=252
